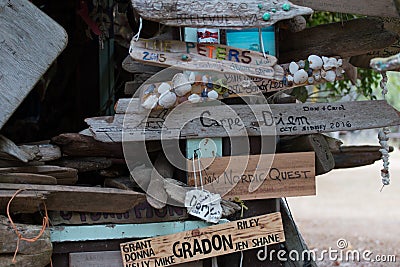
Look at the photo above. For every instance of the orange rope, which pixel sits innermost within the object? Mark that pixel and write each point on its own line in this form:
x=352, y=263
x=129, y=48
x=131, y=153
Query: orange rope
x=19, y=235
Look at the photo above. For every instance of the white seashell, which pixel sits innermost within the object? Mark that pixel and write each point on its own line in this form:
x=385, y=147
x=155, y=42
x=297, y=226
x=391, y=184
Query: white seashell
x=310, y=80
x=323, y=74
x=192, y=77
x=204, y=79
x=340, y=62
x=302, y=64
x=194, y=98
x=212, y=95
x=290, y=78
x=164, y=87
x=330, y=76
x=293, y=67
x=315, y=62
x=181, y=84
x=330, y=63
x=300, y=77
x=150, y=102
x=167, y=99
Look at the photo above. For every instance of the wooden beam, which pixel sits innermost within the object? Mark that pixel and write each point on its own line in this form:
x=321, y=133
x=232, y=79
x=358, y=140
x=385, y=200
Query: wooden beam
x=356, y=156
x=23, y=58
x=73, y=198
x=241, y=120
x=381, y=8
x=351, y=38
x=216, y=14
x=258, y=176
x=10, y=151
x=26, y=178
x=206, y=242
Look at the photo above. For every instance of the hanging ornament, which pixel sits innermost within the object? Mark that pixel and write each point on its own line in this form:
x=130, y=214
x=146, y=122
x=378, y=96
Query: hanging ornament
x=383, y=137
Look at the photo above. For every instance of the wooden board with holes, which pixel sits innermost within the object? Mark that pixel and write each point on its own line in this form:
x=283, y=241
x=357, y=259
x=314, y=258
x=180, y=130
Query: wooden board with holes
x=197, y=121
x=206, y=242
x=217, y=13
x=28, y=45
x=381, y=8
x=274, y=176
x=205, y=57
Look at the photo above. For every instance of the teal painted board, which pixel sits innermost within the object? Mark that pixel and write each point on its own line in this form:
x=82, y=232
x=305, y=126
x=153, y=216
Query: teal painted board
x=121, y=231
x=205, y=147
x=250, y=39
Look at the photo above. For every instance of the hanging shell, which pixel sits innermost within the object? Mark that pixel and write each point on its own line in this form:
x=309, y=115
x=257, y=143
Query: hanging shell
x=213, y=95
x=150, y=102
x=300, y=77
x=330, y=63
x=181, y=84
x=316, y=62
x=293, y=67
x=167, y=99
x=194, y=98
x=302, y=64
x=164, y=87
x=290, y=78
x=150, y=89
x=330, y=76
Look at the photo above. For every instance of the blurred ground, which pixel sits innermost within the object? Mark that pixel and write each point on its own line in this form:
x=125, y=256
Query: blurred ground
x=349, y=206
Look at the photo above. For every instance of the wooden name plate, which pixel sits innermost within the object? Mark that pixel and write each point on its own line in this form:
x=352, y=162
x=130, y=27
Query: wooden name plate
x=204, y=243
x=279, y=175
x=218, y=13
x=196, y=121
x=205, y=57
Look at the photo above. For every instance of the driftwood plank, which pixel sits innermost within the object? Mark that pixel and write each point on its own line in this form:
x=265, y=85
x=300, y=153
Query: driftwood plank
x=10, y=151
x=26, y=178
x=205, y=242
x=270, y=175
x=356, y=156
x=217, y=13
x=42, y=152
x=84, y=164
x=28, y=45
x=240, y=120
x=351, y=38
x=205, y=57
x=62, y=174
x=74, y=198
x=381, y=8
x=363, y=61
x=137, y=67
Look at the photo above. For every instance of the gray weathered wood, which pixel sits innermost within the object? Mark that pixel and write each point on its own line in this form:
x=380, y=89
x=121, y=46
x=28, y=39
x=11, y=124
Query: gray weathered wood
x=8, y=239
x=381, y=8
x=363, y=61
x=62, y=175
x=240, y=120
x=351, y=38
x=84, y=164
x=10, y=151
x=28, y=45
x=42, y=152
x=26, y=178
x=137, y=67
x=217, y=13
x=205, y=57
x=324, y=161
x=356, y=156
x=72, y=198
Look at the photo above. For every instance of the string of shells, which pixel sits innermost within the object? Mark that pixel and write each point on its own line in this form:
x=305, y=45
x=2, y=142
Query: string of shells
x=314, y=70
x=169, y=94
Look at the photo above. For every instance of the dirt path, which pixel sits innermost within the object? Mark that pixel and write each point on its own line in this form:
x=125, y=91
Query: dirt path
x=349, y=205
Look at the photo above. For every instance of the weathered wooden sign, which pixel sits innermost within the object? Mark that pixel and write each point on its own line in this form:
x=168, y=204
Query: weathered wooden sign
x=219, y=13
x=197, y=121
x=206, y=242
x=390, y=24
x=381, y=8
x=28, y=45
x=140, y=213
x=205, y=57
x=279, y=175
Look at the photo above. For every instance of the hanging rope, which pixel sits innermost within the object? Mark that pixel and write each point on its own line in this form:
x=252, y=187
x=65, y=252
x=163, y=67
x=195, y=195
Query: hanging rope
x=45, y=224
x=383, y=137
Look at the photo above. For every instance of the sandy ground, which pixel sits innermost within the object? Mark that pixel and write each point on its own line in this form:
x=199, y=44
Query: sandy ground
x=350, y=206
